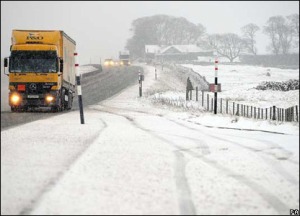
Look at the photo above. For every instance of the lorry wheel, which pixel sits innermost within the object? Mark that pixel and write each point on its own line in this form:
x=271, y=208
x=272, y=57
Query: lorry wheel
x=55, y=109
x=70, y=101
x=13, y=109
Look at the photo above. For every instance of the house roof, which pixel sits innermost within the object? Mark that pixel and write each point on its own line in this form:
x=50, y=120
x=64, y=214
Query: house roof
x=174, y=49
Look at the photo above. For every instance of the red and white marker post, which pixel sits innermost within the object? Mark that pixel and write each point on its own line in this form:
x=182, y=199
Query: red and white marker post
x=216, y=85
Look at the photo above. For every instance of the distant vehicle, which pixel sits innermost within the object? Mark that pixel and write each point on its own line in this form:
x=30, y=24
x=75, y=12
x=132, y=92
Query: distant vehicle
x=117, y=62
x=41, y=70
x=109, y=62
x=124, y=57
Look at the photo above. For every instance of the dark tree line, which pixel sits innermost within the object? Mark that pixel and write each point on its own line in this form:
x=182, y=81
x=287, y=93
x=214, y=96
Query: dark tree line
x=283, y=33
x=163, y=30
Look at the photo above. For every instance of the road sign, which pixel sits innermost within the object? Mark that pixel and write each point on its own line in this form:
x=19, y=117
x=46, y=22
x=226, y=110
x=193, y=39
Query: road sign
x=215, y=88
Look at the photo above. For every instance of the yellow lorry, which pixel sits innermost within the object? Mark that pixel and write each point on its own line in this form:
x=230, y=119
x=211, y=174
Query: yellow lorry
x=41, y=70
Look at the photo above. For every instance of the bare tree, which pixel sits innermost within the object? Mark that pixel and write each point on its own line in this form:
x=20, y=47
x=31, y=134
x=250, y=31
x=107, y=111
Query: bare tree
x=162, y=30
x=227, y=45
x=280, y=33
x=294, y=25
x=249, y=32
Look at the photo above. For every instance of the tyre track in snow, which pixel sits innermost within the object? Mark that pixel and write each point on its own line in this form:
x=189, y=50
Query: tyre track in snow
x=277, y=204
x=205, y=149
x=273, y=163
x=55, y=180
x=271, y=199
x=186, y=205
x=263, y=153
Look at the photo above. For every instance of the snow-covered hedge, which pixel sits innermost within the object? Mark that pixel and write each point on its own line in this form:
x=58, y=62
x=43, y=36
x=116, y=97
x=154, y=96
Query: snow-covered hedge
x=291, y=84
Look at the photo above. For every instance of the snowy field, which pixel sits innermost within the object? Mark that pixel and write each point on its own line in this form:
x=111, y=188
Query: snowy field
x=135, y=157
x=239, y=82
x=244, y=79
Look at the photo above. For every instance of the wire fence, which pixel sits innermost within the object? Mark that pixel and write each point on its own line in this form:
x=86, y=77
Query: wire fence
x=290, y=114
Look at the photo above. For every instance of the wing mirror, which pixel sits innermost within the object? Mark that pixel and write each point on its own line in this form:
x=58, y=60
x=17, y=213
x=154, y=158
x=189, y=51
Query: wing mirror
x=61, y=65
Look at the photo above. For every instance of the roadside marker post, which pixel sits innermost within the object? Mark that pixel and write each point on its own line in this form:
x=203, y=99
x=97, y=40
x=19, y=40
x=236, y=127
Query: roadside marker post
x=141, y=79
x=216, y=85
x=79, y=92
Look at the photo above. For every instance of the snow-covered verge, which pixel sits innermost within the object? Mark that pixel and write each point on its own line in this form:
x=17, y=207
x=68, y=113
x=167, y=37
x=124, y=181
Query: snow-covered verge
x=171, y=95
x=238, y=83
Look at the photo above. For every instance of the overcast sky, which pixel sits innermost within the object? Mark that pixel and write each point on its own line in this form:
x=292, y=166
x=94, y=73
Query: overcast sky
x=101, y=29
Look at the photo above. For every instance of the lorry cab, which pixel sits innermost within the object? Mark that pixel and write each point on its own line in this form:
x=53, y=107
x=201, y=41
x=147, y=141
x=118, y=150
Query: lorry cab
x=41, y=70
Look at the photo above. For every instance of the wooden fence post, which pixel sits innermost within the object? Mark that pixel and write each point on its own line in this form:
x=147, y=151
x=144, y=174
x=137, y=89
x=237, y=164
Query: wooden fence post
x=266, y=113
x=226, y=106
x=270, y=113
x=197, y=93
x=207, y=102
x=233, y=108
x=221, y=106
x=247, y=111
x=251, y=111
x=274, y=113
x=241, y=109
x=238, y=110
x=255, y=112
x=297, y=117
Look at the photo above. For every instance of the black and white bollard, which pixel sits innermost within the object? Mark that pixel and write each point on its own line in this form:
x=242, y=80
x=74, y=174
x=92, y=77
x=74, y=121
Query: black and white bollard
x=79, y=92
x=140, y=84
x=141, y=78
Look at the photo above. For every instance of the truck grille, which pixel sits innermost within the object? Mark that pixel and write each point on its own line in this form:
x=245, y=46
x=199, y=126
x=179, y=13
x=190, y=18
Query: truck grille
x=34, y=88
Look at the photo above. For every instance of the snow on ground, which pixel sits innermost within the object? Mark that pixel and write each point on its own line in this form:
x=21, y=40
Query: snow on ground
x=134, y=157
x=86, y=69
x=238, y=83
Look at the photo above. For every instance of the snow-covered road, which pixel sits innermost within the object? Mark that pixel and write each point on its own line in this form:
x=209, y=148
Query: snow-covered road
x=134, y=158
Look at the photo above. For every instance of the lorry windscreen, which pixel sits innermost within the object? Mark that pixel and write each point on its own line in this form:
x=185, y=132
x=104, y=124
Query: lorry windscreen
x=33, y=61
x=124, y=57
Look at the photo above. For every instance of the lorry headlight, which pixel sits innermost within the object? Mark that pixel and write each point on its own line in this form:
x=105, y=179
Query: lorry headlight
x=49, y=98
x=15, y=99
